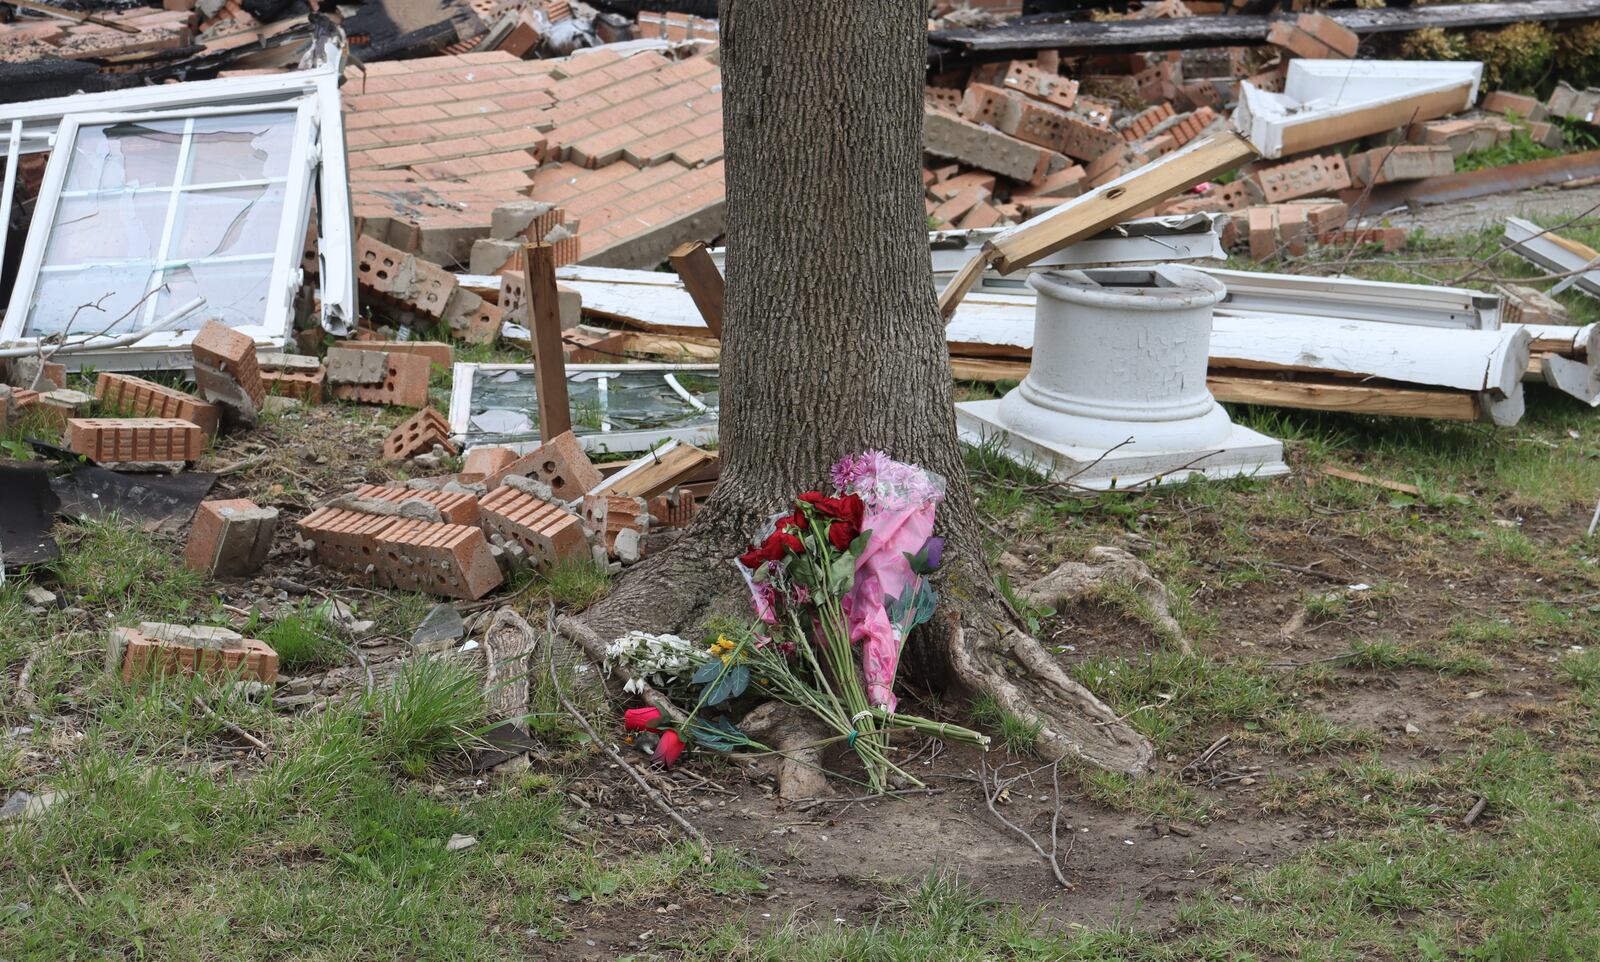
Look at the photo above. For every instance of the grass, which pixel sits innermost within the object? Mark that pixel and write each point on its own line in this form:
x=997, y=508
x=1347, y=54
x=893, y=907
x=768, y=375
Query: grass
x=304, y=639
x=1015, y=735
x=434, y=708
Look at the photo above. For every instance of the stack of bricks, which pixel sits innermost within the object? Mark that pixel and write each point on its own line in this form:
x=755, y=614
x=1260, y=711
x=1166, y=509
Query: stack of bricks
x=446, y=541
x=151, y=31
x=675, y=26
x=1273, y=230
x=125, y=394
x=453, y=560
x=629, y=146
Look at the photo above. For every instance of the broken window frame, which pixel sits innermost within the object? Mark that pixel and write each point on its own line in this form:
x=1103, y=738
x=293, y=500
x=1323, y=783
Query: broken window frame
x=323, y=176
x=283, y=258
x=464, y=375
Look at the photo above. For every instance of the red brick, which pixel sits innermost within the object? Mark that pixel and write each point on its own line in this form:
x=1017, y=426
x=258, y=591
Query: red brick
x=225, y=359
x=417, y=435
x=404, y=385
x=453, y=560
x=487, y=459
x=247, y=659
x=230, y=538
x=1314, y=36
x=548, y=532
x=135, y=439
x=126, y=394
x=306, y=386
x=560, y=463
x=1301, y=178
x=438, y=353
x=1263, y=232
x=455, y=507
x=607, y=515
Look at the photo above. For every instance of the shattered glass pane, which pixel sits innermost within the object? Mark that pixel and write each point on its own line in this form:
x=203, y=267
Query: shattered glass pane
x=235, y=220
x=242, y=147
x=115, y=156
x=117, y=288
x=504, y=405
x=108, y=228
x=122, y=221
x=235, y=293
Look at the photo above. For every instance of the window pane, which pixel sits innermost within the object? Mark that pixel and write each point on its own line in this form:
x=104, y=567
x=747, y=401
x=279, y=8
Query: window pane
x=117, y=288
x=237, y=220
x=113, y=156
x=236, y=294
x=107, y=228
x=244, y=147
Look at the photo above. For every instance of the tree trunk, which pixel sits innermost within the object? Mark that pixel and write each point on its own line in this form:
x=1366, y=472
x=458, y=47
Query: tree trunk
x=832, y=340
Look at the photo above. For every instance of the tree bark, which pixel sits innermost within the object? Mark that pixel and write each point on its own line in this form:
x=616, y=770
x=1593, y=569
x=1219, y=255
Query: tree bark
x=832, y=340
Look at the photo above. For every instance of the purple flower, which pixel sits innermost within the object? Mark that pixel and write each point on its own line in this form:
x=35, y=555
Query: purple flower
x=933, y=551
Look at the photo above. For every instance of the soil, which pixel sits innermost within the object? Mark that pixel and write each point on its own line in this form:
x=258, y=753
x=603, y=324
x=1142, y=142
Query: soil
x=1471, y=216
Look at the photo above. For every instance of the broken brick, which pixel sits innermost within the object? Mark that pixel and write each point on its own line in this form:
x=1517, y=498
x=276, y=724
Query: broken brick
x=230, y=538
x=487, y=459
x=226, y=372
x=417, y=435
x=608, y=515
x=454, y=507
x=404, y=383
x=1300, y=178
x=452, y=560
x=295, y=384
x=1315, y=37
x=245, y=658
x=548, y=532
x=559, y=463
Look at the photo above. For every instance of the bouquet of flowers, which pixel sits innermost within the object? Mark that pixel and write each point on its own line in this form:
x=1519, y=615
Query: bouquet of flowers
x=837, y=584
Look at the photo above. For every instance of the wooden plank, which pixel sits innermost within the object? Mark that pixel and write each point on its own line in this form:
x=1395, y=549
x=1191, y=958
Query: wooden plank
x=544, y=323
x=676, y=348
x=703, y=281
x=1368, y=479
x=986, y=369
x=659, y=471
x=1347, y=398
x=1118, y=200
x=1227, y=31
x=1313, y=132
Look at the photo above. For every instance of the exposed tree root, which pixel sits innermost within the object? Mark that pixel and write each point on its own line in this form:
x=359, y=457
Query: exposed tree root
x=1076, y=580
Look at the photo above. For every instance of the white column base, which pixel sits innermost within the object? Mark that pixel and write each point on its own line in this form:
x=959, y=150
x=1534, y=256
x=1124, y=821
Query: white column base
x=1243, y=453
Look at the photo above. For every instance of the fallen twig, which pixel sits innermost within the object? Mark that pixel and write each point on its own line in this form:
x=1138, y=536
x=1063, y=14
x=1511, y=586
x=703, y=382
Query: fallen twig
x=999, y=788
x=656, y=798
x=230, y=726
x=1477, y=810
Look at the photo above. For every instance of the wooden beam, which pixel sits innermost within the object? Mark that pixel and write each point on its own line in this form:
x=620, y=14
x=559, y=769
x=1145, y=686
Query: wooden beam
x=985, y=369
x=1354, y=398
x=703, y=281
x=659, y=471
x=544, y=322
x=1101, y=208
x=1229, y=31
x=1117, y=201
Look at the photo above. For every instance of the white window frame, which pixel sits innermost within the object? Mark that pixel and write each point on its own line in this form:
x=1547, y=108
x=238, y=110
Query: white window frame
x=319, y=164
x=285, y=257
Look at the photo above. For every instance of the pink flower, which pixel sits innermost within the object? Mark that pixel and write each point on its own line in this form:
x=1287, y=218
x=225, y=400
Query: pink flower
x=669, y=748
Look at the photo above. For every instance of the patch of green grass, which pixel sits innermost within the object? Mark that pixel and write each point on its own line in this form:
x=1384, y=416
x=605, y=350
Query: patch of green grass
x=1518, y=149
x=572, y=583
x=1173, y=698
x=1326, y=605
x=1581, y=669
x=125, y=573
x=434, y=708
x=1158, y=795
x=1388, y=655
x=1480, y=631
x=1016, y=735
x=304, y=639
x=1302, y=733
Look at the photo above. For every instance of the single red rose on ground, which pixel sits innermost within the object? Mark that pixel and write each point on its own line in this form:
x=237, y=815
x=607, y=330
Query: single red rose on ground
x=669, y=748
x=641, y=719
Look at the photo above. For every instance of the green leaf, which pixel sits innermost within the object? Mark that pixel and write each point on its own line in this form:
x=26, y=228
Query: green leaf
x=707, y=672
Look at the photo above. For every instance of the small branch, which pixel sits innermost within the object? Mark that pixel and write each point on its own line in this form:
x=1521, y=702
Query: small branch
x=230, y=726
x=1477, y=810
x=656, y=798
x=999, y=788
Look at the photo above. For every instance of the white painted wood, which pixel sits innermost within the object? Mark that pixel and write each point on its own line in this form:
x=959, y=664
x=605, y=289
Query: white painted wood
x=1357, y=300
x=1326, y=92
x=1463, y=360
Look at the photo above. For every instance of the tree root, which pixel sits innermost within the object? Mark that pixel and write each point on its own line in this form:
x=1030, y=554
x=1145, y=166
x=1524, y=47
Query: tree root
x=794, y=733
x=1076, y=580
x=1024, y=679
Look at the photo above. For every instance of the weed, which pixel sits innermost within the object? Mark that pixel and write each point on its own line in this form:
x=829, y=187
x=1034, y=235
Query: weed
x=434, y=708
x=1017, y=735
x=1159, y=795
x=304, y=639
x=1582, y=669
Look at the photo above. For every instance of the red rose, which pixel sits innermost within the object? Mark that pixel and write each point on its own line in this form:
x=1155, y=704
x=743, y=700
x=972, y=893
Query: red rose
x=840, y=534
x=854, y=510
x=641, y=719
x=787, y=542
x=758, y=556
x=669, y=748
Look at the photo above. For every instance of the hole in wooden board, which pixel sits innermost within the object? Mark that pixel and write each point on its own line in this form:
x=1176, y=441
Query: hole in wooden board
x=1115, y=192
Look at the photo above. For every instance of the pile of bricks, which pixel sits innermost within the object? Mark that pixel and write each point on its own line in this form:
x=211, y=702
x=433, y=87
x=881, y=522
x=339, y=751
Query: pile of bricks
x=627, y=146
x=453, y=538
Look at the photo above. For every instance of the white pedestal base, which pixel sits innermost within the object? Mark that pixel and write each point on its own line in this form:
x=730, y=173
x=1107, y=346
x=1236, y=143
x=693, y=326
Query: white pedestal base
x=1243, y=453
